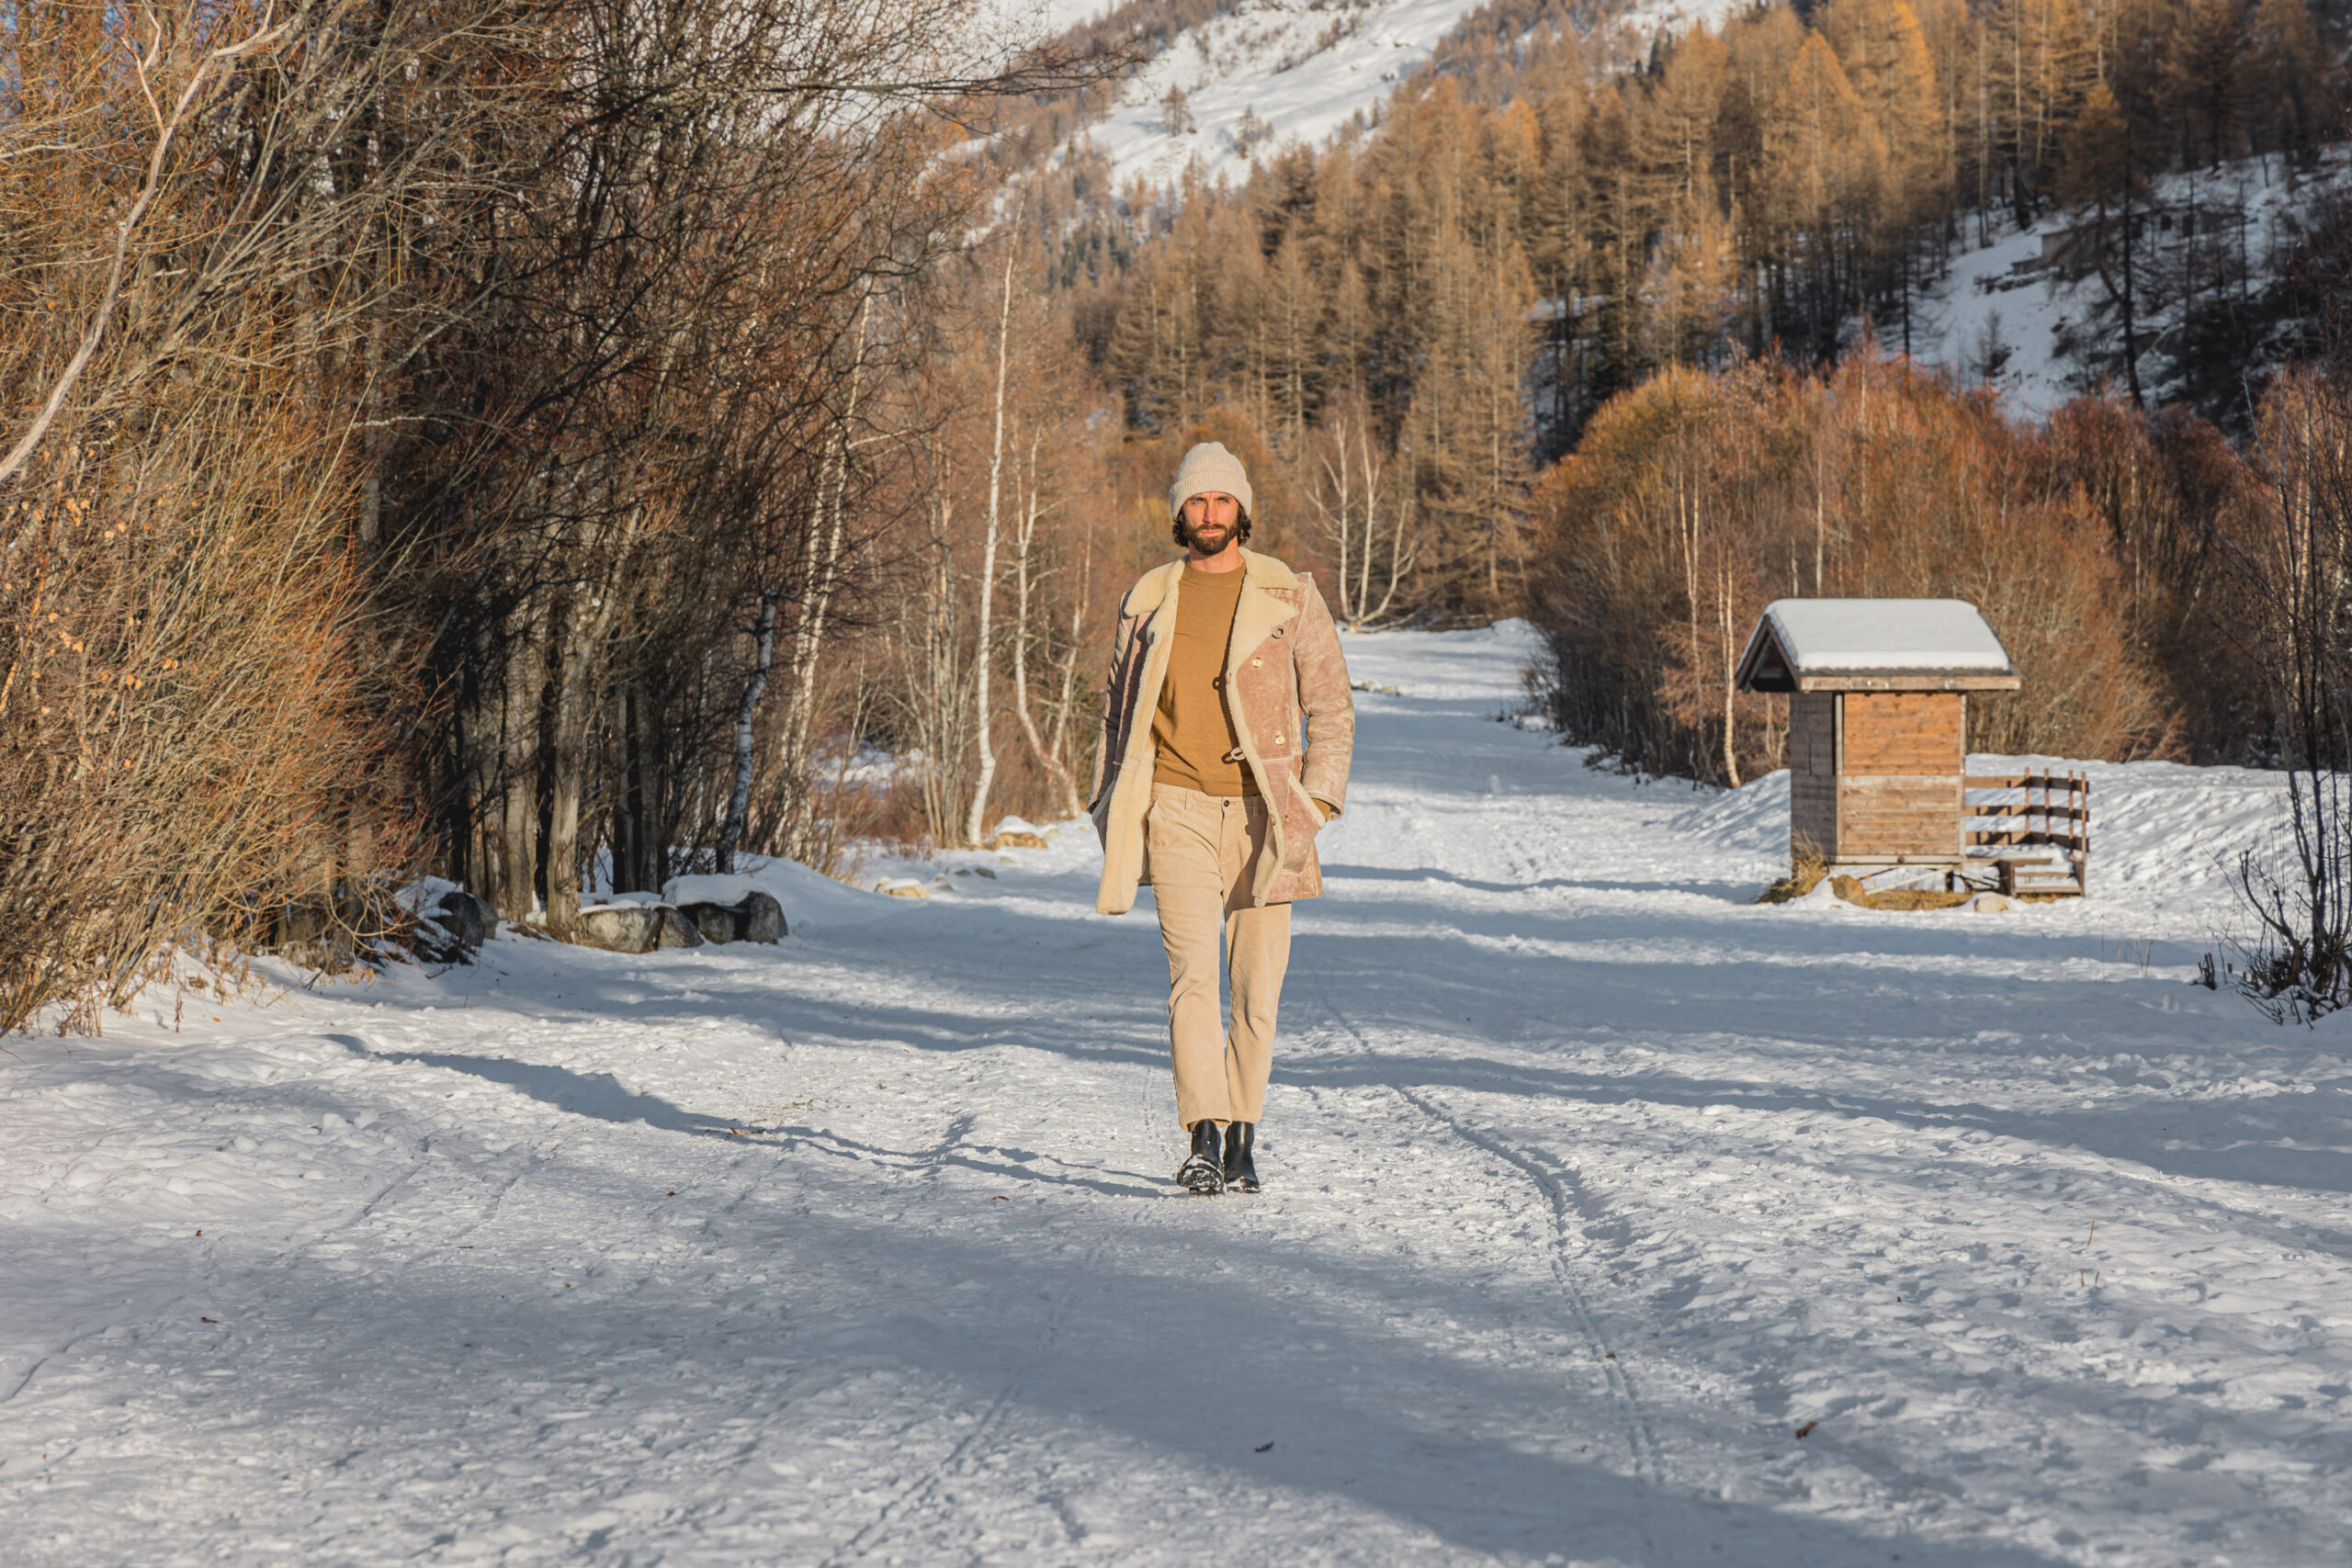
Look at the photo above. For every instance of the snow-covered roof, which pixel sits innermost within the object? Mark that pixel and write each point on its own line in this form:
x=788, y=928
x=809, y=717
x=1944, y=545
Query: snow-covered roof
x=1888, y=643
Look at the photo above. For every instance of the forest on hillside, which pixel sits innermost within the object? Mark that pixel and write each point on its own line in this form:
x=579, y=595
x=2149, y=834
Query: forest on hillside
x=1784, y=191
x=555, y=444
x=1621, y=348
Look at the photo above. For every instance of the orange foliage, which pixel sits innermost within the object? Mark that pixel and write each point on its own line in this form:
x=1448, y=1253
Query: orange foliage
x=1698, y=498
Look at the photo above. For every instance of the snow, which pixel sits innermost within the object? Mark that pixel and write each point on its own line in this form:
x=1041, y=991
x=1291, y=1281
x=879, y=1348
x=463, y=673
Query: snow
x=1054, y=17
x=589, y=902
x=1591, y=1185
x=1015, y=24
x=423, y=893
x=2166, y=838
x=1302, y=68
x=1820, y=635
x=1268, y=73
x=807, y=899
x=1998, y=296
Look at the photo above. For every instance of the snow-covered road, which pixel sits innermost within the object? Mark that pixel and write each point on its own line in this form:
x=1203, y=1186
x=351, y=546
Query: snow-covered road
x=1611, y=1219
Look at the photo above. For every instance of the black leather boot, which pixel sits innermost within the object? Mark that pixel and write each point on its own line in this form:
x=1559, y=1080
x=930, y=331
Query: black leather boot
x=1240, y=1171
x=1202, y=1174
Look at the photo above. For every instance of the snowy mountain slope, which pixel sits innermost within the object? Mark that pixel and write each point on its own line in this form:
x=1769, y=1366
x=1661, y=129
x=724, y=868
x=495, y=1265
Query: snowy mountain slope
x=2003, y=305
x=1592, y=1186
x=1266, y=72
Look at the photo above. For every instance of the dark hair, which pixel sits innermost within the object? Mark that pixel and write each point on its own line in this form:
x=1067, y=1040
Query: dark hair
x=1241, y=530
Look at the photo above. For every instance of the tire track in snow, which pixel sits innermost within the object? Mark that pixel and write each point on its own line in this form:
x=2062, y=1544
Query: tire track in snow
x=1152, y=1101
x=1565, y=1198
x=151, y=1307
x=922, y=1499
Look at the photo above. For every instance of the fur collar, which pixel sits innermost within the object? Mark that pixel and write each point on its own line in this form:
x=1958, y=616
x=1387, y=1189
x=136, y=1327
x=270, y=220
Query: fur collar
x=1257, y=572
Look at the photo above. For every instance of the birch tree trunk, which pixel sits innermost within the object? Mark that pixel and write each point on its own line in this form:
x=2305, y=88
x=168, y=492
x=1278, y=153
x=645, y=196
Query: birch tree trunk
x=1404, y=548
x=818, y=581
x=588, y=614
x=739, y=802
x=1730, y=661
x=1048, y=758
x=573, y=664
x=1058, y=738
x=977, y=817
x=1351, y=600
x=518, y=774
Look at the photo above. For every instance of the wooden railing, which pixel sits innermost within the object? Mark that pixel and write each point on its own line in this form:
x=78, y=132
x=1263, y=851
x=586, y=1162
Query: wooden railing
x=2047, y=812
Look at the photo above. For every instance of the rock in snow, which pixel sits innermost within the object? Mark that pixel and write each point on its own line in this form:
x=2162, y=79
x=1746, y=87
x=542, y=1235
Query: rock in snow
x=676, y=930
x=621, y=928
x=645, y=927
x=754, y=917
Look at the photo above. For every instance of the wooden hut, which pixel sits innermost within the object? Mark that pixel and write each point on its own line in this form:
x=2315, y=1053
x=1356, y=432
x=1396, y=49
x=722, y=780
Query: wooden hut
x=1878, y=726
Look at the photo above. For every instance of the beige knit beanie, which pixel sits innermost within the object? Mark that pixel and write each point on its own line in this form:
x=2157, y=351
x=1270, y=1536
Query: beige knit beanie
x=1208, y=468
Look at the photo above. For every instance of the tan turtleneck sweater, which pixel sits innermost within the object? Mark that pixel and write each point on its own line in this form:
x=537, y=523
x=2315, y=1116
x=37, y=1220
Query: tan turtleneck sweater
x=1193, y=730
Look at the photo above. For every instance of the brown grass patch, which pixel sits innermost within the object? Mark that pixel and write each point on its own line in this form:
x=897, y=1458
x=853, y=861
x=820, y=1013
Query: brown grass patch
x=1807, y=866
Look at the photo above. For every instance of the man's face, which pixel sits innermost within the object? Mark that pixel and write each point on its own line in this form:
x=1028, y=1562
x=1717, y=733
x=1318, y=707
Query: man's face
x=1210, y=521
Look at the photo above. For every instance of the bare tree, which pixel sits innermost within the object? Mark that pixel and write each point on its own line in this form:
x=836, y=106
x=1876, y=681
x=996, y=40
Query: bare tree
x=2296, y=964
x=1026, y=566
x=658, y=396
x=975, y=819
x=1365, y=524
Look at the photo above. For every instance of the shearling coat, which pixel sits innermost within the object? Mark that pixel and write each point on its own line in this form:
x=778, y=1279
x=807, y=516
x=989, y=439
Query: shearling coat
x=1286, y=689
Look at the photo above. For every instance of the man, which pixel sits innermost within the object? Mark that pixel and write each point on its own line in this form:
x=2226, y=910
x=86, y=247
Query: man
x=1226, y=740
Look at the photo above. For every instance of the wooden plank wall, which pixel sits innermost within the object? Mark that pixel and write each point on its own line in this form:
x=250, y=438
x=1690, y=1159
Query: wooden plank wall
x=1901, y=733
x=1813, y=771
x=1899, y=796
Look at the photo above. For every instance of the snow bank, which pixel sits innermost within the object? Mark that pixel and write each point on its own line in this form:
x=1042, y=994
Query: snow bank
x=425, y=892
x=1752, y=820
x=2159, y=825
x=619, y=901
x=2155, y=827
x=812, y=901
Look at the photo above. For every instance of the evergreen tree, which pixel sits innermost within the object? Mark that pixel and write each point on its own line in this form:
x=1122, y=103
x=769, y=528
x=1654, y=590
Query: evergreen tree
x=2104, y=180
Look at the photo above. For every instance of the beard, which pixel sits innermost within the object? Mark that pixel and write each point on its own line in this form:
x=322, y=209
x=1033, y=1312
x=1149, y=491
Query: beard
x=1209, y=538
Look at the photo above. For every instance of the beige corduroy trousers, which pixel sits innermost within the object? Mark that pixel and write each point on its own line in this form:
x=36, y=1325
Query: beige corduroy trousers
x=1203, y=851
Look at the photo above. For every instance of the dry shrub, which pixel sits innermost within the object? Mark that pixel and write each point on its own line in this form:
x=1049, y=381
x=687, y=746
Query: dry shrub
x=182, y=746
x=1807, y=866
x=2295, y=961
x=180, y=741
x=899, y=817
x=1656, y=526
x=2179, y=507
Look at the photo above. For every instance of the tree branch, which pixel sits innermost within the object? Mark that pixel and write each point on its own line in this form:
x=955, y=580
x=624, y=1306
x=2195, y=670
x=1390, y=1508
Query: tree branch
x=165, y=130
